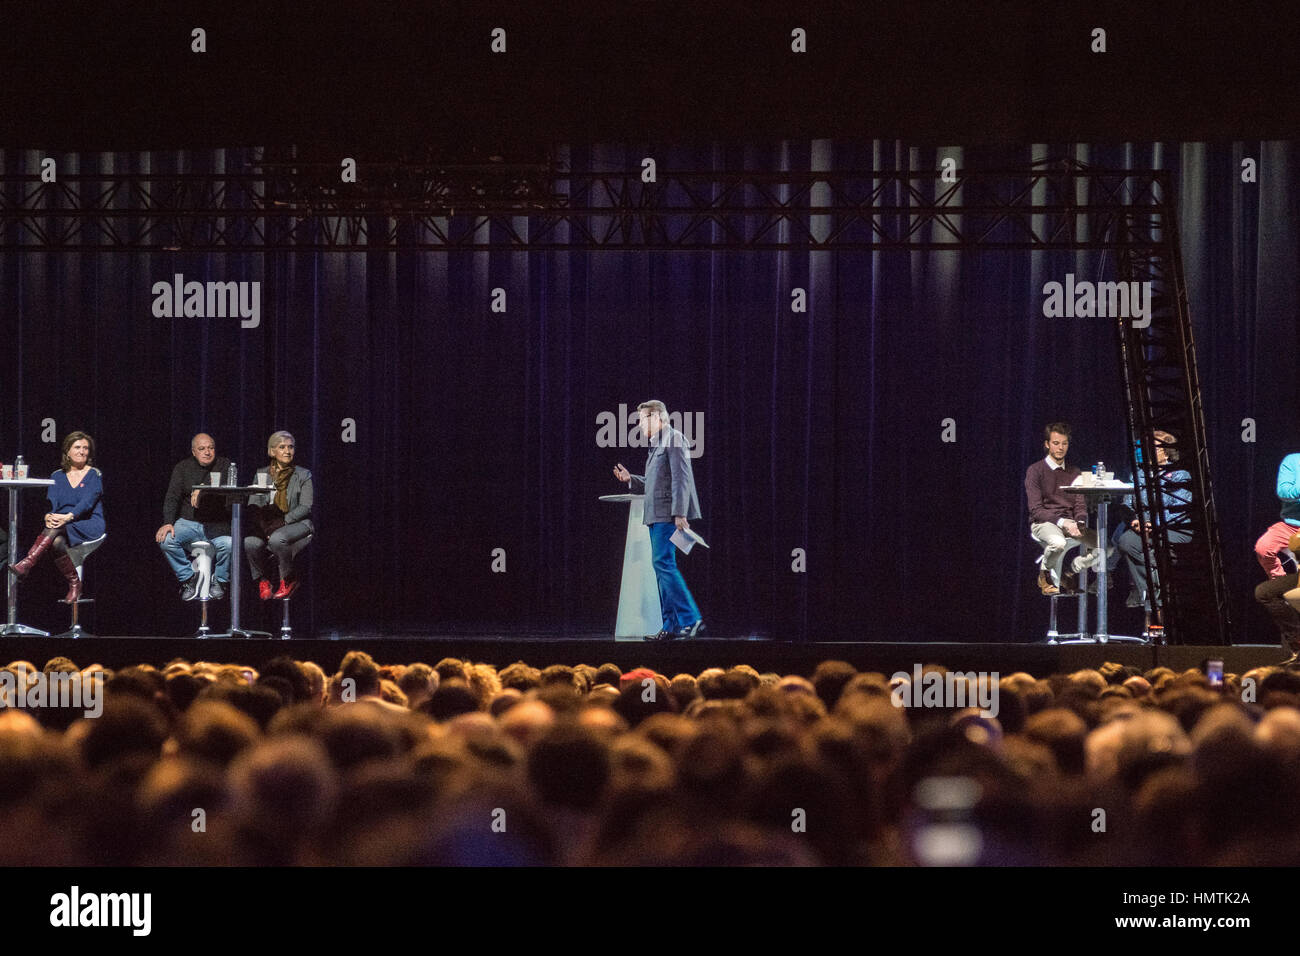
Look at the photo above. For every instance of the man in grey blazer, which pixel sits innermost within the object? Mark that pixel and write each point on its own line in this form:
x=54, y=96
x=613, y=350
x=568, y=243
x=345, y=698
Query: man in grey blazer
x=670, y=503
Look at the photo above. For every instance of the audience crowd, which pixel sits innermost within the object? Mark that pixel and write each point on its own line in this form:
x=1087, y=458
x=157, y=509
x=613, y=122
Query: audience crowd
x=462, y=763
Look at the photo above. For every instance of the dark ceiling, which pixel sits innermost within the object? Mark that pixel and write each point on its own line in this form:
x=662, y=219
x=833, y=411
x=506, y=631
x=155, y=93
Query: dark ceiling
x=385, y=75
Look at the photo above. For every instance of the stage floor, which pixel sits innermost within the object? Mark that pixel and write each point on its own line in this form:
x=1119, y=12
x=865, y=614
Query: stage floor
x=669, y=657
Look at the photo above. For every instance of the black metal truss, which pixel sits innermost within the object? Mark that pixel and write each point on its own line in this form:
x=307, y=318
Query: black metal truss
x=1163, y=393
x=306, y=207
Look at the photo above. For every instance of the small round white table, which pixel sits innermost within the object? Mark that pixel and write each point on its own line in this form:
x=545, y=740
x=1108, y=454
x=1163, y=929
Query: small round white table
x=16, y=485
x=1100, y=495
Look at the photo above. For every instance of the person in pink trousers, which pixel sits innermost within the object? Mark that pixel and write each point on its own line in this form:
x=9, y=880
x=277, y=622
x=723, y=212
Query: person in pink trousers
x=1276, y=537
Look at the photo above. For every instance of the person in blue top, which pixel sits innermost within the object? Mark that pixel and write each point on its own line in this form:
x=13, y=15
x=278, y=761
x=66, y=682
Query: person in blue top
x=1129, y=542
x=76, y=512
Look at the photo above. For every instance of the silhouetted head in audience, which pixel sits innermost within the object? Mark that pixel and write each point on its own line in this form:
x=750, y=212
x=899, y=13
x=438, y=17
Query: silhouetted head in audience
x=129, y=726
x=449, y=668
x=643, y=698
x=520, y=676
x=259, y=702
x=288, y=671
x=315, y=681
x=390, y=693
x=216, y=732
x=569, y=767
x=528, y=721
x=484, y=682
x=829, y=679
x=283, y=793
x=59, y=665
x=1062, y=732
x=360, y=669
x=452, y=698
x=684, y=689
x=418, y=682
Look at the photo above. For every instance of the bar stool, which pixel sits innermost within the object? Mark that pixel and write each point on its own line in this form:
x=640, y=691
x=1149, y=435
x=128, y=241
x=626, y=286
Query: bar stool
x=1082, y=594
x=78, y=554
x=201, y=554
x=286, y=631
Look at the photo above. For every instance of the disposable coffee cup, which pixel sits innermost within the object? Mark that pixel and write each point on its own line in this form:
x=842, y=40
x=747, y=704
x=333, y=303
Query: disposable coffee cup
x=20, y=472
x=263, y=480
x=214, y=478
x=6, y=472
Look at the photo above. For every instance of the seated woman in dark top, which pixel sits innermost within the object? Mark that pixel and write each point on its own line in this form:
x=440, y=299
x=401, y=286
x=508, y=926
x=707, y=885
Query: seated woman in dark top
x=76, y=512
x=279, y=520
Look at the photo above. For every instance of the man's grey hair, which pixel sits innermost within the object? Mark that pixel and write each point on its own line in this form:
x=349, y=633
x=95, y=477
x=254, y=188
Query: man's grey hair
x=654, y=405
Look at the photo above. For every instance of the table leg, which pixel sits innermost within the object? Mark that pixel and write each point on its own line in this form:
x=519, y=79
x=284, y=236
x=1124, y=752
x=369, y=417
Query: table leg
x=11, y=580
x=1082, y=581
x=1082, y=608
x=1103, y=538
x=236, y=561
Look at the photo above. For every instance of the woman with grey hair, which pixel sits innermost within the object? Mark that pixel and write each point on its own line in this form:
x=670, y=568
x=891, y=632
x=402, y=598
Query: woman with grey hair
x=281, y=519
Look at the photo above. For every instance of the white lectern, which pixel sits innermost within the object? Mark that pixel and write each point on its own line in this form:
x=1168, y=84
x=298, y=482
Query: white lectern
x=639, y=612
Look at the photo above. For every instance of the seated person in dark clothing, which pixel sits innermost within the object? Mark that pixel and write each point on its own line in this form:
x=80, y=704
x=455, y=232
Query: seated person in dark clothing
x=189, y=516
x=1280, y=597
x=1129, y=541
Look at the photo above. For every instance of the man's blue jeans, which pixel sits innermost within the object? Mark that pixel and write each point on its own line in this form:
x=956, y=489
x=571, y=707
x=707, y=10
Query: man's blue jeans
x=177, y=549
x=675, y=600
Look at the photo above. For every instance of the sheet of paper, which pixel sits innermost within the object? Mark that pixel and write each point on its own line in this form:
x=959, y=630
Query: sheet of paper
x=686, y=540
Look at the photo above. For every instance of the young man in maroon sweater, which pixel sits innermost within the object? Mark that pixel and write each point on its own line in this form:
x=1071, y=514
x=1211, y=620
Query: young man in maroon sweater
x=1056, y=518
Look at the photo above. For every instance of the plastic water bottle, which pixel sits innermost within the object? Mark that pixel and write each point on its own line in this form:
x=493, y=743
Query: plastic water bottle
x=232, y=475
x=20, y=467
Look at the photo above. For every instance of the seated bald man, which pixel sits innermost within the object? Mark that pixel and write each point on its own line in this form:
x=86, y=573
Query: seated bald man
x=187, y=518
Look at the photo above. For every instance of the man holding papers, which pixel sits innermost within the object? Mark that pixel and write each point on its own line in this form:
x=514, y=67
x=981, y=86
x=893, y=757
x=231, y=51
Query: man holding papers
x=670, y=501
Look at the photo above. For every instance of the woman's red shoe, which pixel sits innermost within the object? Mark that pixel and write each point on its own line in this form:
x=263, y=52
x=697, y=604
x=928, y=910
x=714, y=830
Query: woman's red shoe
x=286, y=588
x=264, y=589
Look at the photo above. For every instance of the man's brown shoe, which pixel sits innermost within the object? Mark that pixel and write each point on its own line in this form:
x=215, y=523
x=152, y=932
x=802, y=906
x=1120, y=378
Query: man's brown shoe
x=1045, y=584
